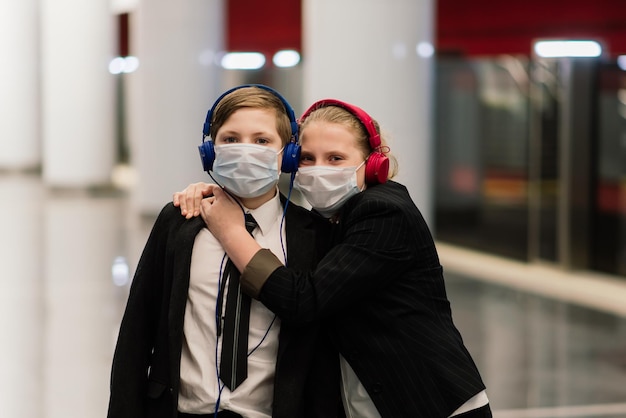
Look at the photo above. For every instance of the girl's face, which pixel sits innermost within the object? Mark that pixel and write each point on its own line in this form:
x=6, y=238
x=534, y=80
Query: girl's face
x=331, y=144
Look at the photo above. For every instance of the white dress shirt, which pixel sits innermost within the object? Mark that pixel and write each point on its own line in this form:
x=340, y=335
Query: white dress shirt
x=199, y=365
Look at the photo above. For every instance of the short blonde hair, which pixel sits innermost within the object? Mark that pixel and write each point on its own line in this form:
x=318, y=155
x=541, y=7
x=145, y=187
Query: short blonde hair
x=341, y=116
x=256, y=98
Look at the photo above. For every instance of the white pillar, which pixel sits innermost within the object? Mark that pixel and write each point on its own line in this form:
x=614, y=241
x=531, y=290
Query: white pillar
x=22, y=309
x=375, y=65
x=19, y=85
x=77, y=44
x=177, y=81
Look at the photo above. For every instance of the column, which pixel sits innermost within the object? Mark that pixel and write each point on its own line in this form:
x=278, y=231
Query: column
x=22, y=308
x=77, y=44
x=19, y=85
x=382, y=62
x=178, y=44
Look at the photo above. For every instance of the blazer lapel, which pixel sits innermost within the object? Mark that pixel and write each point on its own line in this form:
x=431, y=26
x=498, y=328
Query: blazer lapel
x=300, y=238
x=183, y=247
x=300, y=234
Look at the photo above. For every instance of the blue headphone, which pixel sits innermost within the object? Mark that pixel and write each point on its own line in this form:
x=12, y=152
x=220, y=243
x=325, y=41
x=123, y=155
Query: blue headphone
x=291, y=153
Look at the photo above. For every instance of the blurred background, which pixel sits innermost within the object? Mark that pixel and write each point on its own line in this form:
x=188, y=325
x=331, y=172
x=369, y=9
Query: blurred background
x=508, y=120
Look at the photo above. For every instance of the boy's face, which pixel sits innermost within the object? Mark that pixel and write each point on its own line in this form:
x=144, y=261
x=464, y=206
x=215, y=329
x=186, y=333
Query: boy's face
x=251, y=126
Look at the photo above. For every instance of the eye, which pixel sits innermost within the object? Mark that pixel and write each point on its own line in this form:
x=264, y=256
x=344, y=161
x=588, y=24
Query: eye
x=335, y=158
x=306, y=159
x=262, y=141
x=228, y=140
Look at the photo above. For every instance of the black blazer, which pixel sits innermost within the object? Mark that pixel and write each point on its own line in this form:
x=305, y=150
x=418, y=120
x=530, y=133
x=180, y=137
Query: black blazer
x=383, y=287
x=145, y=374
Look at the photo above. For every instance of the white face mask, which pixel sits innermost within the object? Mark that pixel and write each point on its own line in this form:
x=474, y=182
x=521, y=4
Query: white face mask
x=246, y=170
x=327, y=188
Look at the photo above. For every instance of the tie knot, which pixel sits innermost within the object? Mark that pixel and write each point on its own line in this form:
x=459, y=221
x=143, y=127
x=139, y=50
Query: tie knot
x=250, y=222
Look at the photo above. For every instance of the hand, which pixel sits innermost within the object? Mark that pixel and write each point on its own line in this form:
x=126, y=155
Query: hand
x=222, y=215
x=189, y=199
x=225, y=219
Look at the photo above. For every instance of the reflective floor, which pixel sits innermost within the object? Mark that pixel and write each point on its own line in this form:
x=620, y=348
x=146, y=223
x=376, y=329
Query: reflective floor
x=66, y=257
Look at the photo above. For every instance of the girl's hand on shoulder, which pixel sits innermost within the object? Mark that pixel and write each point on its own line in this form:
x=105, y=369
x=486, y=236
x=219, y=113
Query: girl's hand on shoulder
x=189, y=200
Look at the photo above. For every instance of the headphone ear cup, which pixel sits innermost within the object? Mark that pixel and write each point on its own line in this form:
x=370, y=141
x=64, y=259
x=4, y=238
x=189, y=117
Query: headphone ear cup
x=291, y=158
x=207, y=155
x=376, y=168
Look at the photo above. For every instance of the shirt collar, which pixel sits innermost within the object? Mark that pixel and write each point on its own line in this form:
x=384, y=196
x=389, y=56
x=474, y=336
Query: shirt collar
x=266, y=214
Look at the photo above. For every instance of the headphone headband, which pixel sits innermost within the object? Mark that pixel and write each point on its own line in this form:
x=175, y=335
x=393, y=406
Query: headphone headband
x=365, y=119
x=206, y=129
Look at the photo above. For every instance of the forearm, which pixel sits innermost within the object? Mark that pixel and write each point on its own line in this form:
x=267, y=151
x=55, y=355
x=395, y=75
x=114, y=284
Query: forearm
x=240, y=247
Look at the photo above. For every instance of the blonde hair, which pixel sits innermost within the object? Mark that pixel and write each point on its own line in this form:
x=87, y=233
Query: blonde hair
x=341, y=116
x=256, y=98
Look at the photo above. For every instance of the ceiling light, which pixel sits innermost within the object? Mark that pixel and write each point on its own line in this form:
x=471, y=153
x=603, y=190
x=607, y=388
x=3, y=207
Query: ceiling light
x=243, y=61
x=562, y=48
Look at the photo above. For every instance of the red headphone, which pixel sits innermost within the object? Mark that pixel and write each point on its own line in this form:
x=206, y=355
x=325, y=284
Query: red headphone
x=377, y=164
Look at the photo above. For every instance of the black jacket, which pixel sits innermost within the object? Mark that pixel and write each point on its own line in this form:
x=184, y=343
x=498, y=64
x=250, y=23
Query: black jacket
x=146, y=364
x=383, y=287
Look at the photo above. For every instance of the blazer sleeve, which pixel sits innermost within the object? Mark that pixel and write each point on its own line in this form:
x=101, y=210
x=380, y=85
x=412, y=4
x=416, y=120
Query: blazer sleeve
x=377, y=243
x=138, y=328
x=258, y=271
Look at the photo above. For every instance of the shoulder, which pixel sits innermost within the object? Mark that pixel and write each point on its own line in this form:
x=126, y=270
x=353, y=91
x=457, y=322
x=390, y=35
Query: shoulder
x=384, y=203
x=389, y=189
x=388, y=194
x=170, y=214
x=170, y=219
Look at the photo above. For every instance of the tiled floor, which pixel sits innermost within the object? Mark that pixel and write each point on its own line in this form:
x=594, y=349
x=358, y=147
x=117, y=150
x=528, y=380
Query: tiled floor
x=65, y=257
x=540, y=357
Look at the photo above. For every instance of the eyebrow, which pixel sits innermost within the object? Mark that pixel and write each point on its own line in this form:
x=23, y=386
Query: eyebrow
x=333, y=152
x=258, y=133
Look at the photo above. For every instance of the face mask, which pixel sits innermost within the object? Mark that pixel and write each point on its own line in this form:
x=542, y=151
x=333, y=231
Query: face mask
x=327, y=188
x=246, y=170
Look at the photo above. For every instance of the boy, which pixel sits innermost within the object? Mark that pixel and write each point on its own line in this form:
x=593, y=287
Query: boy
x=172, y=350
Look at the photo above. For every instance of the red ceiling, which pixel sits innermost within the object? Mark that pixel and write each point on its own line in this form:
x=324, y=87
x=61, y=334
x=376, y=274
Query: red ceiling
x=489, y=27
x=263, y=26
x=473, y=27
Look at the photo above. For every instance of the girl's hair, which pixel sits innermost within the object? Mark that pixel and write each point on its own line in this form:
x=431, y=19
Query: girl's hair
x=256, y=98
x=341, y=116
